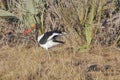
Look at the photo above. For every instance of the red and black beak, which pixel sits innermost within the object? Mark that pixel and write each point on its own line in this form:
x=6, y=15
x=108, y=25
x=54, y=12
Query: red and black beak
x=37, y=29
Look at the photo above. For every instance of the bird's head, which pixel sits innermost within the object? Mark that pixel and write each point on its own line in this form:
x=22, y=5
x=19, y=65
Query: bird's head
x=37, y=29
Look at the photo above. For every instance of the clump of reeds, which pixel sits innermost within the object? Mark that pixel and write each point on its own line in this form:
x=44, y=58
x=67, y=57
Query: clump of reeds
x=85, y=18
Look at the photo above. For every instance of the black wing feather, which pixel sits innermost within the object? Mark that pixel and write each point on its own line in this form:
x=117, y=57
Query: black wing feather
x=47, y=35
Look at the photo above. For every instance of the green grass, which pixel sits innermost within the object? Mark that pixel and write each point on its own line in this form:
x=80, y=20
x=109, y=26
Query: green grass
x=82, y=20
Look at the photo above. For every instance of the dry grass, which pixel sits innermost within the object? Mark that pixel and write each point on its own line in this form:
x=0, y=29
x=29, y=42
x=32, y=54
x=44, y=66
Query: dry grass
x=65, y=64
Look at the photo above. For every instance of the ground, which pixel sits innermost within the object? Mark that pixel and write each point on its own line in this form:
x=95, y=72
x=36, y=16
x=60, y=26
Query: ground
x=66, y=63
x=94, y=23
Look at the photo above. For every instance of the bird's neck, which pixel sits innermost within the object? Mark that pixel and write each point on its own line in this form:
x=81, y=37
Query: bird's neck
x=36, y=35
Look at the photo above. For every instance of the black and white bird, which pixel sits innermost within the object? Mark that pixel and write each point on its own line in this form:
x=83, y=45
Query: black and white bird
x=49, y=39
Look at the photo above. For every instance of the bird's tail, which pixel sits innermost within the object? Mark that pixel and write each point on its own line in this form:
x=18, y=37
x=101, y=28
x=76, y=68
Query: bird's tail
x=61, y=42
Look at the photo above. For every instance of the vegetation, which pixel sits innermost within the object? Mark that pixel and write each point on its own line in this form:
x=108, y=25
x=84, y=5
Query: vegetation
x=92, y=41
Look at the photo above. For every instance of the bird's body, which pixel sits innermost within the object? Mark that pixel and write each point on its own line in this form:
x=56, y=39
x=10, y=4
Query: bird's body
x=48, y=39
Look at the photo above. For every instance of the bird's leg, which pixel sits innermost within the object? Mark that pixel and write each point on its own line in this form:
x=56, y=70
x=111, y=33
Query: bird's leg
x=48, y=53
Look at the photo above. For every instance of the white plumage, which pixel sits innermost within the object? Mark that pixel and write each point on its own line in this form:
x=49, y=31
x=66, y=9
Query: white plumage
x=49, y=39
